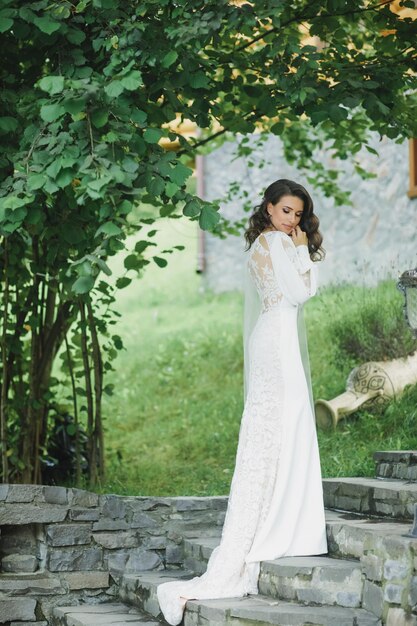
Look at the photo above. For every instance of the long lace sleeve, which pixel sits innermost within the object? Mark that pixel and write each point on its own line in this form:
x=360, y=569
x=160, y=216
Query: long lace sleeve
x=294, y=271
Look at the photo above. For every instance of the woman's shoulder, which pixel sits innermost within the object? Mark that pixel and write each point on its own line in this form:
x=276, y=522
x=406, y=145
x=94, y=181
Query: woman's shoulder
x=275, y=234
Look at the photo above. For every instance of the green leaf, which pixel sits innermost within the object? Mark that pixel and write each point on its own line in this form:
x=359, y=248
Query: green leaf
x=131, y=262
x=152, y=135
x=199, y=80
x=71, y=429
x=5, y=24
x=123, y=282
x=159, y=261
x=180, y=173
x=109, y=228
x=76, y=36
x=155, y=186
x=64, y=178
x=104, y=267
x=72, y=233
x=52, y=84
x=171, y=189
x=46, y=25
x=83, y=284
x=114, y=89
x=277, y=128
x=52, y=112
x=53, y=169
x=208, y=219
x=142, y=245
x=130, y=165
x=99, y=117
x=132, y=81
x=8, y=124
x=74, y=105
x=138, y=116
x=34, y=215
x=15, y=202
x=169, y=58
x=98, y=183
x=36, y=181
x=192, y=208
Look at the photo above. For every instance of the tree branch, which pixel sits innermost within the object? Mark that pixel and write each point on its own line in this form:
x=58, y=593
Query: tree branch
x=224, y=130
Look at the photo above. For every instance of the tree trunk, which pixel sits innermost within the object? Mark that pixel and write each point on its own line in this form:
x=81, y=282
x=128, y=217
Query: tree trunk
x=5, y=380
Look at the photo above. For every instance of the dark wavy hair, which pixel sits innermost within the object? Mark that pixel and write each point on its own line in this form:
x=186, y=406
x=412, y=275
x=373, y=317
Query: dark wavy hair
x=309, y=223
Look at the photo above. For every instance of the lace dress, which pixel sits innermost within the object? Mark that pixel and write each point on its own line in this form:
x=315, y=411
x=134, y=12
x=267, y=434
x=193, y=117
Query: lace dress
x=275, y=505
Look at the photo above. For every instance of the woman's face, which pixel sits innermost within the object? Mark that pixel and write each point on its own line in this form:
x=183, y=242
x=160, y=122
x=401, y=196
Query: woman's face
x=286, y=213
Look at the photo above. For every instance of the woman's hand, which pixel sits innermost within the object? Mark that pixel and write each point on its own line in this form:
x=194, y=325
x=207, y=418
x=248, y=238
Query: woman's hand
x=299, y=237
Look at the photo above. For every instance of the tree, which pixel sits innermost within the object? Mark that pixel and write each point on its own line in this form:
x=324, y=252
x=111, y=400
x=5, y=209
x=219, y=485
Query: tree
x=89, y=88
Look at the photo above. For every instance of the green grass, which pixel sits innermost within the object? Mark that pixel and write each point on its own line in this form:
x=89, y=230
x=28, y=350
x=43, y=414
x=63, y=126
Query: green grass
x=172, y=424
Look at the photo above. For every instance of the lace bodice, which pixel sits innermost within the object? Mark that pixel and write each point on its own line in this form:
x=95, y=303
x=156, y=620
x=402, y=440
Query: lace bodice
x=280, y=270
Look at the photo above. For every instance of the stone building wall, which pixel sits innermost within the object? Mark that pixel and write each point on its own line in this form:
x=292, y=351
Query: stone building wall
x=63, y=546
x=374, y=238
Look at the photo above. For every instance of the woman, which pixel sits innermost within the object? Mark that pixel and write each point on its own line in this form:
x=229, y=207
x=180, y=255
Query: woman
x=275, y=505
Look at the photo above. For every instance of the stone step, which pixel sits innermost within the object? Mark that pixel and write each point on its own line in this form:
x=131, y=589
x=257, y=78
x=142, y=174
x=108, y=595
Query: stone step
x=351, y=536
x=261, y=610
x=348, y=536
x=316, y=579
x=106, y=614
x=371, y=496
x=399, y=464
x=140, y=590
x=313, y=579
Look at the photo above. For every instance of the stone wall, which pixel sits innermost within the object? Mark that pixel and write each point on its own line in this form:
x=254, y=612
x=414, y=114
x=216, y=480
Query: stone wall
x=61, y=546
x=374, y=238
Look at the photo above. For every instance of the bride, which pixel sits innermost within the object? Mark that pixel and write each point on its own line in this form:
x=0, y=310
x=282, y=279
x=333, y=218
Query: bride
x=275, y=505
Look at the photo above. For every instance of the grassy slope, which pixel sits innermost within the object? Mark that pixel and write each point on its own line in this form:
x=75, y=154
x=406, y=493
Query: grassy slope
x=173, y=422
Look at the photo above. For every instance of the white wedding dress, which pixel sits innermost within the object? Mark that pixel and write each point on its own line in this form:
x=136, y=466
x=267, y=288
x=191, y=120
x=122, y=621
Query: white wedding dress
x=275, y=505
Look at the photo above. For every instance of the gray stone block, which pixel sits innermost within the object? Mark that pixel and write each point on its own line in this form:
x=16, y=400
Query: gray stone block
x=112, y=540
x=394, y=570
x=143, y=520
x=372, y=566
x=109, y=524
x=155, y=543
x=174, y=554
x=113, y=507
x=140, y=560
x=17, y=514
x=55, y=495
x=86, y=580
x=398, y=617
x=24, y=493
x=28, y=623
x=39, y=584
x=4, y=490
x=18, y=563
x=67, y=560
x=393, y=593
x=68, y=534
x=348, y=598
x=373, y=598
x=84, y=515
x=18, y=609
x=412, y=598
x=116, y=563
x=79, y=497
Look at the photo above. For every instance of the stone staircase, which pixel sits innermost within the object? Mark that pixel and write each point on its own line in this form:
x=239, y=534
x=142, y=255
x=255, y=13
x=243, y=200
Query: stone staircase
x=369, y=577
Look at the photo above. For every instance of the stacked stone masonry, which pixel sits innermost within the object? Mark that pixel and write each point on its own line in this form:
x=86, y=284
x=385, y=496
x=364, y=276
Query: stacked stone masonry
x=74, y=558
x=63, y=546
